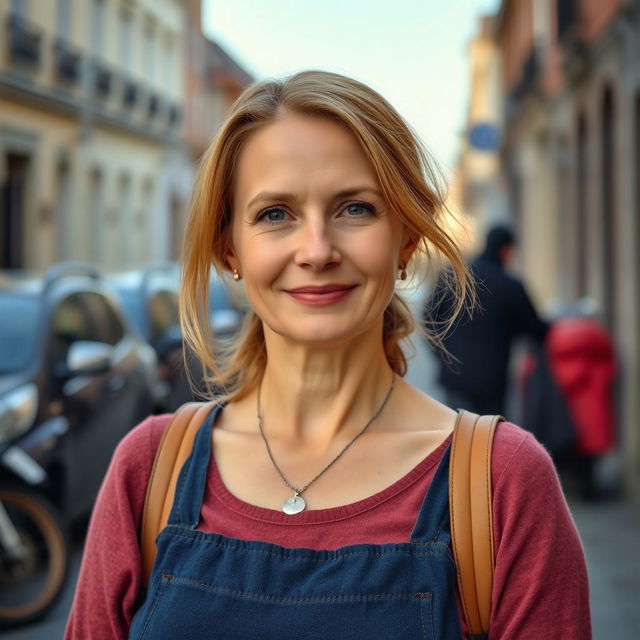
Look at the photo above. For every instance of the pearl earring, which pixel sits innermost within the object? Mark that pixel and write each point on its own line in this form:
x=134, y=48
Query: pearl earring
x=236, y=275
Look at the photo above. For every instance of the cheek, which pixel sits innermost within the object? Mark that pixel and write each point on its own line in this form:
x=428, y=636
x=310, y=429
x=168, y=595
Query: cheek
x=378, y=253
x=257, y=256
x=262, y=267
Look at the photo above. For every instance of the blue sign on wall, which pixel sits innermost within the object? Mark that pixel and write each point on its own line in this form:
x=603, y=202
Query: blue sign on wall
x=484, y=136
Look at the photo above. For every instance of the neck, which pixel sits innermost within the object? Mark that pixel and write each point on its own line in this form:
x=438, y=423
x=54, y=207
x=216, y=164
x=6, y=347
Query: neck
x=317, y=393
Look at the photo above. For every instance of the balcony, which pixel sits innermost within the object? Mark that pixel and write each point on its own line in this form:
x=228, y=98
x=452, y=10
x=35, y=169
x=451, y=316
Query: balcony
x=67, y=61
x=102, y=78
x=129, y=93
x=25, y=41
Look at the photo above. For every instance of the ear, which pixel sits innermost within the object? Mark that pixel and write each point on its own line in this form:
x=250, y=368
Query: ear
x=409, y=245
x=231, y=260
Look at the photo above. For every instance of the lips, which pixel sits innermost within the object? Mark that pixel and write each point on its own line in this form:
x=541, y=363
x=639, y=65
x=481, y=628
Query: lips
x=318, y=295
x=320, y=289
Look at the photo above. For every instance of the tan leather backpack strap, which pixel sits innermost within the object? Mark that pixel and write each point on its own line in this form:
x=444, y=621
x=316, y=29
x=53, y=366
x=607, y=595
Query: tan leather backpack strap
x=175, y=447
x=471, y=516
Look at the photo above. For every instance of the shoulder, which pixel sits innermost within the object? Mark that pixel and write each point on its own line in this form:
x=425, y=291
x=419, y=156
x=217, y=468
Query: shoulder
x=125, y=483
x=516, y=452
x=524, y=478
x=540, y=580
x=133, y=458
x=141, y=443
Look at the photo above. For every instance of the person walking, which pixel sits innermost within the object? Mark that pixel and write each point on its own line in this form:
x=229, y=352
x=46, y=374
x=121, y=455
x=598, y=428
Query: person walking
x=314, y=504
x=473, y=365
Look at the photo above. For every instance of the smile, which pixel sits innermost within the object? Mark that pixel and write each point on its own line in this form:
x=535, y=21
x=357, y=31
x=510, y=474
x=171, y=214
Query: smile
x=320, y=295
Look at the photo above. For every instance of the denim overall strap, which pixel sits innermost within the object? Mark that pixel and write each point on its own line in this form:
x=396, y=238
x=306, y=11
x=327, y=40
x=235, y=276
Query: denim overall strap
x=432, y=524
x=192, y=480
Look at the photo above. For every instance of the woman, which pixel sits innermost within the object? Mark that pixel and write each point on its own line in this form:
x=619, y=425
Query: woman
x=303, y=513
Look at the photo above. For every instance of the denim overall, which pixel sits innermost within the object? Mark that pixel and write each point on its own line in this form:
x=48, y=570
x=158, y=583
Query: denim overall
x=209, y=586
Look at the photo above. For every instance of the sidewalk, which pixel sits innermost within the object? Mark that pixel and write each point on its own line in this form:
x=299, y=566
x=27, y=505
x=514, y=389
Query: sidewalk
x=611, y=536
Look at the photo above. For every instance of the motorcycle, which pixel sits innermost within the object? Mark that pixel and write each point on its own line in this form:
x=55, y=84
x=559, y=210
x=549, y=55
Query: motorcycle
x=34, y=545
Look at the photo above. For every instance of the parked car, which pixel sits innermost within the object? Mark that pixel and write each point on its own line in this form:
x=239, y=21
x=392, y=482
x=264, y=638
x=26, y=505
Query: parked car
x=74, y=379
x=149, y=297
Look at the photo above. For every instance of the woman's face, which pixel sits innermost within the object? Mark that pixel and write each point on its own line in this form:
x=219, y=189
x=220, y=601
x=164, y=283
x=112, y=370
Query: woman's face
x=314, y=239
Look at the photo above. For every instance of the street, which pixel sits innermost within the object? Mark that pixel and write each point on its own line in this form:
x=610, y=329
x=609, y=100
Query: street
x=610, y=532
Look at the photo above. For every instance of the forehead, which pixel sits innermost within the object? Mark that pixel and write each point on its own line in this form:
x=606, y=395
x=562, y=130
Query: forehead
x=301, y=149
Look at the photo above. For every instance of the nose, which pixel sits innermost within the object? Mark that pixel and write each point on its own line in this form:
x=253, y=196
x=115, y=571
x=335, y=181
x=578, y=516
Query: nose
x=316, y=246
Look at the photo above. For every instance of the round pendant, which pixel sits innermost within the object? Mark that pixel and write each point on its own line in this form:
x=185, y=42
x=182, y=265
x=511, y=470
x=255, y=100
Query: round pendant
x=294, y=505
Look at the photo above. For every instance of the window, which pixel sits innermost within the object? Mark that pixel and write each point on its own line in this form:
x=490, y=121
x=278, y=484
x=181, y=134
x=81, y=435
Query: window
x=71, y=323
x=108, y=326
x=18, y=331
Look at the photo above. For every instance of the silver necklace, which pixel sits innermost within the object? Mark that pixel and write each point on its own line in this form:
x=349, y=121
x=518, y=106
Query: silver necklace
x=296, y=504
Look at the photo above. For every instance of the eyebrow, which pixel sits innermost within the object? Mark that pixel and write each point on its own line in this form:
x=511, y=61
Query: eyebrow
x=284, y=197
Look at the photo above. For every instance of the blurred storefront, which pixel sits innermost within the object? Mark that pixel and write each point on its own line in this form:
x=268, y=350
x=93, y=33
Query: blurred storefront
x=571, y=165
x=96, y=151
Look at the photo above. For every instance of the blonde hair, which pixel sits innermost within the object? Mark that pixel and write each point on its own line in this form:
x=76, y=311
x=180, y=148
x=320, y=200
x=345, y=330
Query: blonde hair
x=408, y=182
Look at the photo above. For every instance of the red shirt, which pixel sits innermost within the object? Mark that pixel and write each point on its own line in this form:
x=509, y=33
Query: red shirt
x=540, y=584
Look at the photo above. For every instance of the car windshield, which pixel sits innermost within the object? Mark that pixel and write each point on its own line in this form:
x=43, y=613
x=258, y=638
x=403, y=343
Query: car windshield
x=18, y=331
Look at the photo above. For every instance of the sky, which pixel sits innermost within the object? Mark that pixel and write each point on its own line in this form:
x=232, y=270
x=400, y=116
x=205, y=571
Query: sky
x=414, y=52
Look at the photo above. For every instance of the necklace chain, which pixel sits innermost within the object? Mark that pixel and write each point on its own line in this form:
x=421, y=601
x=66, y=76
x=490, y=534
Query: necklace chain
x=299, y=491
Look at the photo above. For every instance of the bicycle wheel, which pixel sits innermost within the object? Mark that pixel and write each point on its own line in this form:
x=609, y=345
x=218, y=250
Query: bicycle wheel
x=30, y=586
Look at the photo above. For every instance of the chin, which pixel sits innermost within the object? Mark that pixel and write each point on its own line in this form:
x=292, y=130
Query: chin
x=318, y=333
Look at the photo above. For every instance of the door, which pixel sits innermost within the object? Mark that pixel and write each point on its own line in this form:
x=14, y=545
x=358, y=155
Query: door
x=13, y=211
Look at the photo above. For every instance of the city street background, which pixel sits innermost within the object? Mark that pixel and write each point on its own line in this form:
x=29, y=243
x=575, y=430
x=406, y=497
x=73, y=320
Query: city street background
x=530, y=107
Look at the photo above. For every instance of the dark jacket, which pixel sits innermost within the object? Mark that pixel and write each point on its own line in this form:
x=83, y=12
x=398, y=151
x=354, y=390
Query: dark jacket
x=545, y=410
x=480, y=342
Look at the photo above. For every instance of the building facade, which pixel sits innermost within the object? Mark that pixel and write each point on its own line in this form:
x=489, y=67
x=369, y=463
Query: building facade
x=105, y=108
x=479, y=167
x=571, y=157
x=91, y=158
x=213, y=82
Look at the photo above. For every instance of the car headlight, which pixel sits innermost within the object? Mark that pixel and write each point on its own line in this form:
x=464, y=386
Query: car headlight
x=18, y=410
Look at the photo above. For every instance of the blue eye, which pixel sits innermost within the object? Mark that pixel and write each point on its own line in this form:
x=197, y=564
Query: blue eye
x=272, y=216
x=359, y=209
